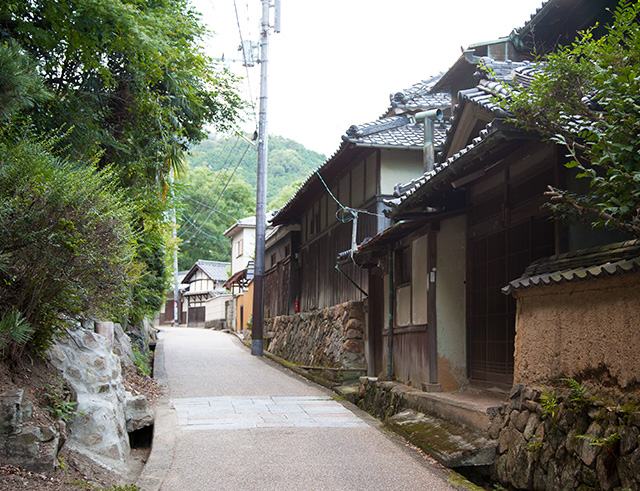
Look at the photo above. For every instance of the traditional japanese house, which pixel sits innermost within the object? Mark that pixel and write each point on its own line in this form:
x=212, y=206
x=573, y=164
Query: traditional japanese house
x=204, y=282
x=370, y=161
x=281, y=274
x=461, y=232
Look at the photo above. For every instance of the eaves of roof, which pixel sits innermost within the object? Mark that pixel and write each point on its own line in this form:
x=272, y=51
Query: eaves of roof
x=379, y=242
x=518, y=33
x=597, y=262
x=489, y=138
x=215, y=270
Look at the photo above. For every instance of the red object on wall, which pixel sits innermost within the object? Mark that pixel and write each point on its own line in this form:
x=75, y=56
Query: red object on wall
x=296, y=306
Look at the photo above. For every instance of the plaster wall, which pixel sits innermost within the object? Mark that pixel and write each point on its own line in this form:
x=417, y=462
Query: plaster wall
x=248, y=237
x=244, y=304
x=399, y=166
x=451, y=303
x=586, y=327
x=215, y=308
x=403, y=306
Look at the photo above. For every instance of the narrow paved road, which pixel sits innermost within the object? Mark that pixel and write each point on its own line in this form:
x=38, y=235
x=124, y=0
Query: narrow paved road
x=237, y=422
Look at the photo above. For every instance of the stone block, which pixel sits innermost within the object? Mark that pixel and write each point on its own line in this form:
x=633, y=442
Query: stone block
x=11, y=410
x=138, y=414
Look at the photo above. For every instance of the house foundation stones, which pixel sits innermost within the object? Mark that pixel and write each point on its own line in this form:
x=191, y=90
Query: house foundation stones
x=332, y=337
x=567, y=437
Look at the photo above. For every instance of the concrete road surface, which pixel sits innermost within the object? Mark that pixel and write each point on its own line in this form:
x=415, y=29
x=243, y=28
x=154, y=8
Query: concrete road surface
x=232, y=421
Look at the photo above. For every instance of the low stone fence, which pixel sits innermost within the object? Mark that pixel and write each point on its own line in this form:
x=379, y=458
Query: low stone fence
x=332, y=337
x=567, y=437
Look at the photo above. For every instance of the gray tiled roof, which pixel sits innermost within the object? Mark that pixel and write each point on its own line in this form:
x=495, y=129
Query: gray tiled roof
x=597, y=262
x=395, y=131
x=216, y=270
x=503, y=77
x=419, y=96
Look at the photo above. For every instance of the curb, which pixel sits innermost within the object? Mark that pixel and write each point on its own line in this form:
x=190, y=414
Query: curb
x=164, y=437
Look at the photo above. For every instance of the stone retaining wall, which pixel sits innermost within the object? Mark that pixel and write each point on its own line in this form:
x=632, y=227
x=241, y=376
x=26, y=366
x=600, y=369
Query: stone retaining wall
x=331, y=337
x=567, y=437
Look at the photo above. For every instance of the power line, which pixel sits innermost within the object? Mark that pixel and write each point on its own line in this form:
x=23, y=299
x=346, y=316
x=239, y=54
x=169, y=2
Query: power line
x=203, y=232
x=209, y=207
x=220, y=175
x=343, y=207
x=224, y=189
x=244, y=57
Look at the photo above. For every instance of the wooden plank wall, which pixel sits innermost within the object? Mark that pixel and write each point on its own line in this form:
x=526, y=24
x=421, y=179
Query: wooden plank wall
x=321, y=284
x=277, y=293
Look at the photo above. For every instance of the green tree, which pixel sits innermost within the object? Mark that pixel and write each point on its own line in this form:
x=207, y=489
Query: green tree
x=131, y=90
x=587, y=98
x=205, y=213
x=67, y=248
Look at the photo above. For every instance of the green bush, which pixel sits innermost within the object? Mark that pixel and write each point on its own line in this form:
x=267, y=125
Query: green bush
x=66, y=246
x=142, y=361
x=59, y=403
x=15, y=331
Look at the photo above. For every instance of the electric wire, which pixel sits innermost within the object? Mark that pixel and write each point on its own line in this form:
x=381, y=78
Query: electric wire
x=222, y=192
x=343, y=207
x=223, y=168
x=244, y=57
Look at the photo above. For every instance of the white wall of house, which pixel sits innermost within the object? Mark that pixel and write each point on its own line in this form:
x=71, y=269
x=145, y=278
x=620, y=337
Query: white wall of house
x=216, y=308
x=398, y=166
x=451, y=295
x=243, y=244
x=200, y=282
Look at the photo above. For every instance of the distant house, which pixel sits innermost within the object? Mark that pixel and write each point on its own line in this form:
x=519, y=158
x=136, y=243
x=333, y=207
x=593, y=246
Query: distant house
x=243, y=242
x=204, y=294
x=240, y=282
x=166, y=311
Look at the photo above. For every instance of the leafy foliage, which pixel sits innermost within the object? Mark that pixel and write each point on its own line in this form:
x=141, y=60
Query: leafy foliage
x=59, y=403
x=549, y=402
x=20, y=85
x=101, y=99
x=142, y=361
x=67, y=241
x=587, y=98
x=578, y=395
x=205, y=215
x=595, y=441
x=15, y=331
x=289, y=161
x=285, y=194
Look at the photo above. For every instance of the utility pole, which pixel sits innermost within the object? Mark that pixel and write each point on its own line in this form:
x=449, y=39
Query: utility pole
x=174, y=233
x=257, y=327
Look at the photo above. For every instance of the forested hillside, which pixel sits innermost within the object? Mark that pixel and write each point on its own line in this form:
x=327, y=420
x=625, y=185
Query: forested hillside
x=219, y=188
x=288, y=160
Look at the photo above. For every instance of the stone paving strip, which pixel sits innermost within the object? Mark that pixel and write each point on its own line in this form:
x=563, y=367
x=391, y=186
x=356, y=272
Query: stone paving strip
x=239, y=413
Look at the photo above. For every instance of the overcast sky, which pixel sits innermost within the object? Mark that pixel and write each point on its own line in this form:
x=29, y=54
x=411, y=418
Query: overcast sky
x=336, y=61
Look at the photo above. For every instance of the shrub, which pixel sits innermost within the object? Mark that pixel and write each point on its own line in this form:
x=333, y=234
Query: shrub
x=66, y=246
x=15, y=331
x=142, y=361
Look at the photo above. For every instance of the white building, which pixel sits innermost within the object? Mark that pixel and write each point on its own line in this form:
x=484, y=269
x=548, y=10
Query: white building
x=205, y=295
